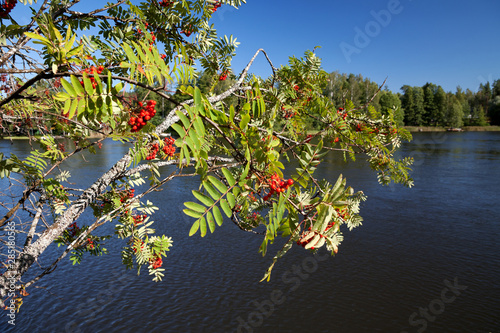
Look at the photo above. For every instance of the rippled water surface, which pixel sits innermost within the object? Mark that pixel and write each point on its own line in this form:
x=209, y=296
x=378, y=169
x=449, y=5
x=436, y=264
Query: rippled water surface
x=425, y=260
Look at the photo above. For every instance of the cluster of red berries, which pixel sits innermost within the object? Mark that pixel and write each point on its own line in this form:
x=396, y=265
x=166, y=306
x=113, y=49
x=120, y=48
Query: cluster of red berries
x=156, y=262
x=65, y=118
x=138, y=219
x=287, y=114
x=61, y=147
x=57, y=83
x=91, y=71
x=223, y=76
x=153, y=40
x=7, y=7
x=153, y=37
x=252, y=220
x=125, y=195
x=359, y=127
x=5, y=86
x=251, y=197
x=342, y=213
x=341, y=113
x=165, y=3
x=216, y=6
x=169, y=148
x=146, y=112
x=277, y=185
x=139, y=31
x=90, y=243
x=188, y=30
x=255, y=216
x=73, y=229
x=153, y=150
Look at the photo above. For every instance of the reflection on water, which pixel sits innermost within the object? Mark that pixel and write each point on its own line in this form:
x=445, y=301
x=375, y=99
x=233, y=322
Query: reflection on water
x=413, y=244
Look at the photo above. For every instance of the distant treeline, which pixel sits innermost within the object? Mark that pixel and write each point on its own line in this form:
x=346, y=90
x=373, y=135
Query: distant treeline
x=428, y=105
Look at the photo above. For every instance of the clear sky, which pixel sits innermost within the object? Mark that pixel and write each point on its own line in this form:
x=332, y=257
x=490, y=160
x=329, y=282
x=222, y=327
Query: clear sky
x=446, y=42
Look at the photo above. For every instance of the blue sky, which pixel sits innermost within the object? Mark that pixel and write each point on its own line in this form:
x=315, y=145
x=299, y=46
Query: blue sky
x=445, y=42
x=412, y=42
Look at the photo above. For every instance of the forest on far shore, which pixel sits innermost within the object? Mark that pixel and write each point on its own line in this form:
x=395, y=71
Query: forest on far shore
x=428, y=105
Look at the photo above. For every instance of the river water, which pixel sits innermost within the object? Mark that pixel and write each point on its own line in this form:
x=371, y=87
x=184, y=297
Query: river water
x=426, y=259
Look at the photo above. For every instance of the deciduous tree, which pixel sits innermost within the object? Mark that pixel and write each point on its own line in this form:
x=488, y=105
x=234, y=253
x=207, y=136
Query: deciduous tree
x=58, y=77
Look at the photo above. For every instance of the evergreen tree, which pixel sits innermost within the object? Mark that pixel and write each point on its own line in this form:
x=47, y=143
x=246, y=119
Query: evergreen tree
x=483, y=96
x=496, y=89
x=487, y=91
x=408, y=105
x=440, y=100
x=463, y=99
x=419, y=105
x=494, y=111
x=478, y=117
x=430, y=109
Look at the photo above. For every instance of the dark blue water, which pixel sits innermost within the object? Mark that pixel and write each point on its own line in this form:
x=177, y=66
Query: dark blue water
x=426, y=259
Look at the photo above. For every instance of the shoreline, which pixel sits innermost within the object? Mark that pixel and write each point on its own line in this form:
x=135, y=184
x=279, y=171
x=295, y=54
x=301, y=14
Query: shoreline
x=414, y=129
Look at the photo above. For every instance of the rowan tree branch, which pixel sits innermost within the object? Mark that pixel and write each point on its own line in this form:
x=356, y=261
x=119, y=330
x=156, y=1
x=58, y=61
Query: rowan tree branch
x=78, y=206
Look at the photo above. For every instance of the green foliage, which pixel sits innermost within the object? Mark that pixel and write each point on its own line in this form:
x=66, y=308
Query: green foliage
x=59, y=50
x=234, y=133
x=81, y=242
x=216, y=196
x=7, y=166
x=430, y=105
x=494, y=111
x=307, y=205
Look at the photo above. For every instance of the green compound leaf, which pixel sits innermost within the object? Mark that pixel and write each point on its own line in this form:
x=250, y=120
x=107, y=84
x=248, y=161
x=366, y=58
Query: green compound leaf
x=194, y=206
x=218, y=184
x=218, y=216
x=229, y=177
x=211, y=190
x=226, y=208
x=192, y=213
x=203, y=226
x=203, y=198
x=194, y=228
x=210, y=221
x=231, y=199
